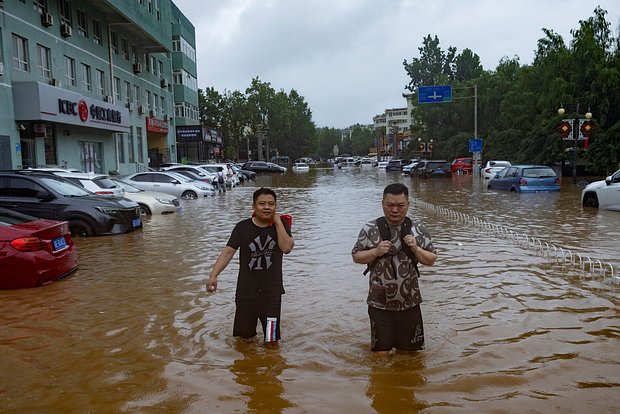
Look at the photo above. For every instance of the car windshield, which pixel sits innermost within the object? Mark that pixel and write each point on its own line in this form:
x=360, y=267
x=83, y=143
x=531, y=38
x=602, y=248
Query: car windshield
x=127, y=187
x=65, y=188
x=105, y=182
x=538, y=173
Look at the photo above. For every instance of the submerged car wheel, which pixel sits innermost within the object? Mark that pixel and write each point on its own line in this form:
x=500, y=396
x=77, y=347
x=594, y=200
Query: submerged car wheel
x=189, y=195
x=80, y=228
x=144, y=210
x=590, y=200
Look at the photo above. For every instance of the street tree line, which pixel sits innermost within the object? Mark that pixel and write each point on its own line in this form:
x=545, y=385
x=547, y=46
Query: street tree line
x=517, y=105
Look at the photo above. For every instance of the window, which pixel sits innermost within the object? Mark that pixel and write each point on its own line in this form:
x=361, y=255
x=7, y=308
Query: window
x=157, y=12
x=86, y=78
x=82, y=23
x=117, y=89
x=149, y=100
x=150, y=5
x=155, y=103
x=179, y=44
x=130, y=152
x=139, y=140
x=114, y=37
x=64, y=9
x=20, y=53
x=70, y=70
x=40, y=6
x=182, y=77
x=153, y=65
x=127, y=92
x=100, y=82
x=134, y=54
x=162, y=104
x=120, y=147
x=44, y=57
x=136, y=93
x=124, y=49
x=161, y=67
x=97, y=32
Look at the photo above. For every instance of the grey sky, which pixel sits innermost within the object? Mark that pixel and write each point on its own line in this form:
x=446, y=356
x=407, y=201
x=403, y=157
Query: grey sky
x=345, y=56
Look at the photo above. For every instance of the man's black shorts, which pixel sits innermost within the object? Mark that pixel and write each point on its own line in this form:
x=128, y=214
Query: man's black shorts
x=396, y=329
x=249, y=311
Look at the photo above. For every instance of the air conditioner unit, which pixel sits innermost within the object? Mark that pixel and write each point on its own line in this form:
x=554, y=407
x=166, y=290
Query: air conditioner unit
x=65, y=30
x=56, y=83
x=47, y=19
x=141, y=109
x=130, y=106
x=164, y=83
x=1, y=67
x=137, y=67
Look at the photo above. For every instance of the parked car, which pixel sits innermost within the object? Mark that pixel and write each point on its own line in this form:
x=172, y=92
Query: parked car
x=170, y=183
x=249, y=175
x=408, y=167
x=232, y=179
x=382, y=165
x=51, y=197
x=99, y=184
x=431, y=169
x=395, y=165
x=525, y=178
x=301, y=166
x=604, y=194
x=493, y=167
x=150, y=202
x=263, y=166
x=201, y=172
x=34, y=251
x=463, y=164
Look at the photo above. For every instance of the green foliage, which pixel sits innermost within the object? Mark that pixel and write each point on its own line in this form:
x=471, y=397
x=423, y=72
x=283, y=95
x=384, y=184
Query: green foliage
x=517, y=104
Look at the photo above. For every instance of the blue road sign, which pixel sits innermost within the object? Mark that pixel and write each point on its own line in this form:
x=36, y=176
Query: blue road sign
x=434, y=94
x=475, y=145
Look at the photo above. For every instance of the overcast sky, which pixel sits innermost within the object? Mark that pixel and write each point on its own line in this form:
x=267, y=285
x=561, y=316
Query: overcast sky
x=345, y=56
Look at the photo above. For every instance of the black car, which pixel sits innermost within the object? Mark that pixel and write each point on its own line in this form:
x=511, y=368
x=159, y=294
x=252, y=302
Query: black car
x=432, y=168
x=48, y=196
x=262, y=166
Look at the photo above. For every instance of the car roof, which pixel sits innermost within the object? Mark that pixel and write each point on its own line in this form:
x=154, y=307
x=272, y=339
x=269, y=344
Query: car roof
x=87, y=176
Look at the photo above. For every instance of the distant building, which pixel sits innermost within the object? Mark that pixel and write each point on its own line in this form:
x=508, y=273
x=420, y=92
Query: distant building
x=97, y=85
x=397, y=125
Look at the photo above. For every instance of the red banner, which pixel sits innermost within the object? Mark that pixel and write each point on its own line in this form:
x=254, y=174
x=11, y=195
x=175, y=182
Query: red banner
x=156, y=125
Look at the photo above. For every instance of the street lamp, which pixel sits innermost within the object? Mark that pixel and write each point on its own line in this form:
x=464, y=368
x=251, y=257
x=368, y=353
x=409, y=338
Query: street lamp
x=576, y=129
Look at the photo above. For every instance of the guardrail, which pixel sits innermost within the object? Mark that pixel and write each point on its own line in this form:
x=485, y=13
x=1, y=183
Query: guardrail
x=583, y=262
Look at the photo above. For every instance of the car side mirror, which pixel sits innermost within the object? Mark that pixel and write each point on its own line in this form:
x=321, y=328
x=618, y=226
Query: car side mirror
x=608, y=180
x=43, y=195
x=174, y=181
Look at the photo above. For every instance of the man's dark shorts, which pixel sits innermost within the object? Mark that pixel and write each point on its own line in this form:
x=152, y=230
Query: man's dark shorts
x=248, y=311
x=396, y=329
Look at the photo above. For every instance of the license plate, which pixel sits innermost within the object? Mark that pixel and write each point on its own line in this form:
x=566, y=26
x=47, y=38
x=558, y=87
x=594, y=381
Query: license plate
x=59, y=243
x=136, y=222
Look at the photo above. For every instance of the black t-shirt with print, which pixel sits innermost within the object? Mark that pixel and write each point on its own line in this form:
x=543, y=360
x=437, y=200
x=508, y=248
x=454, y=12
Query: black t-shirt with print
x=260, y=259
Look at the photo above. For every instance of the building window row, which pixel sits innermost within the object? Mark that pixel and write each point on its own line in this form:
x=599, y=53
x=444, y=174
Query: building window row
x=183, y=77
x=186, y=110
x=179, y=44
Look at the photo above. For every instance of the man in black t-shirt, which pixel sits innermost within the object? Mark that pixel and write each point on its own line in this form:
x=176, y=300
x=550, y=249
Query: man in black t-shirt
x=262, y=240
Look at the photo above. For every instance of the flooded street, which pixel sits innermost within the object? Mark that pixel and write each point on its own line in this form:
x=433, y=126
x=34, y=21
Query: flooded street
x=508, y=328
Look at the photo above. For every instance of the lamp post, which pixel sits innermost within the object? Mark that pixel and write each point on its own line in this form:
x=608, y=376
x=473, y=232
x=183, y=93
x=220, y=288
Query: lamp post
x=576, y=129
x=394, y=139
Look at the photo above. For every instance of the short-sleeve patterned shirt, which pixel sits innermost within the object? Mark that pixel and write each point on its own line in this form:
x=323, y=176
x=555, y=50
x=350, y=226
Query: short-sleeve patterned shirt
x=393, y=280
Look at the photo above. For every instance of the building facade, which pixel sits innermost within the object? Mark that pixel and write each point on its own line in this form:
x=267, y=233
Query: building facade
x=91, y=84
x=397, y=125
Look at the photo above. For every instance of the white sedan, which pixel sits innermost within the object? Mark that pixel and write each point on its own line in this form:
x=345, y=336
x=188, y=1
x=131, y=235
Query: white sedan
x=150, y=202
x=603, y=194
x=493, y=167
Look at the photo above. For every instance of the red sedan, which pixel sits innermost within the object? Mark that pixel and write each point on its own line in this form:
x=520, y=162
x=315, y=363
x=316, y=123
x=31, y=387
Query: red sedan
x=33, y=251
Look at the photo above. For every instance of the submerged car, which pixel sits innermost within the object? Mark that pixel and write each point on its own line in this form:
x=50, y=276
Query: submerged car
x=170, y=183
x=525, y=178
x=493, y=167
x=150, y=202
x=48, y=196
x=34, y=251
x=263, y=166
x=604, y=194
x=301, y=166
x=432, y=169
x=100, y=184
x=462, y=165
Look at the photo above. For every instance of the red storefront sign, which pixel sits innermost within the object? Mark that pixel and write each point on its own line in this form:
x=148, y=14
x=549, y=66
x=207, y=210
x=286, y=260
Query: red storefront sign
x=156, y=125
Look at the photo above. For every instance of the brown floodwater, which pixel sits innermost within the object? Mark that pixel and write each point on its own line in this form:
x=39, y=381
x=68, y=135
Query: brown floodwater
x=508, y=329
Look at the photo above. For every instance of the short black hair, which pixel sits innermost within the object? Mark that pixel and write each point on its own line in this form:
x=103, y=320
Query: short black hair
x=262, y=191
x=396, y=189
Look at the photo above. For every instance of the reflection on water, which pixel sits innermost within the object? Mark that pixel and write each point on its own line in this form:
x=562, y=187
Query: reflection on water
x=507, y=329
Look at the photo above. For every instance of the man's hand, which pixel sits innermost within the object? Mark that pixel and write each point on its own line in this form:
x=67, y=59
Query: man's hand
x=383, y=247
x=212, y=284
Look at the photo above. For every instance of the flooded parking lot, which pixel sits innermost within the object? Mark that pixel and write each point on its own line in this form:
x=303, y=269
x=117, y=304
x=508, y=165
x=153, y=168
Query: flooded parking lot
x=508, y=329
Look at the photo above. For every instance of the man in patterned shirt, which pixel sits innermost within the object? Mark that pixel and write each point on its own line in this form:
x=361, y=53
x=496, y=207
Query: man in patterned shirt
x=394, y=294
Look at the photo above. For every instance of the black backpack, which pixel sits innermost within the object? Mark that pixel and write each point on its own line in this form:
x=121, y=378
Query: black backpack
x=220, y=177
x=384, y=231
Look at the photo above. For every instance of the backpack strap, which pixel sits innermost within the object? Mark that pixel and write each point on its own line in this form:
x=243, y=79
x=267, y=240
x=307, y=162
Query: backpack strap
x=385, y=232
